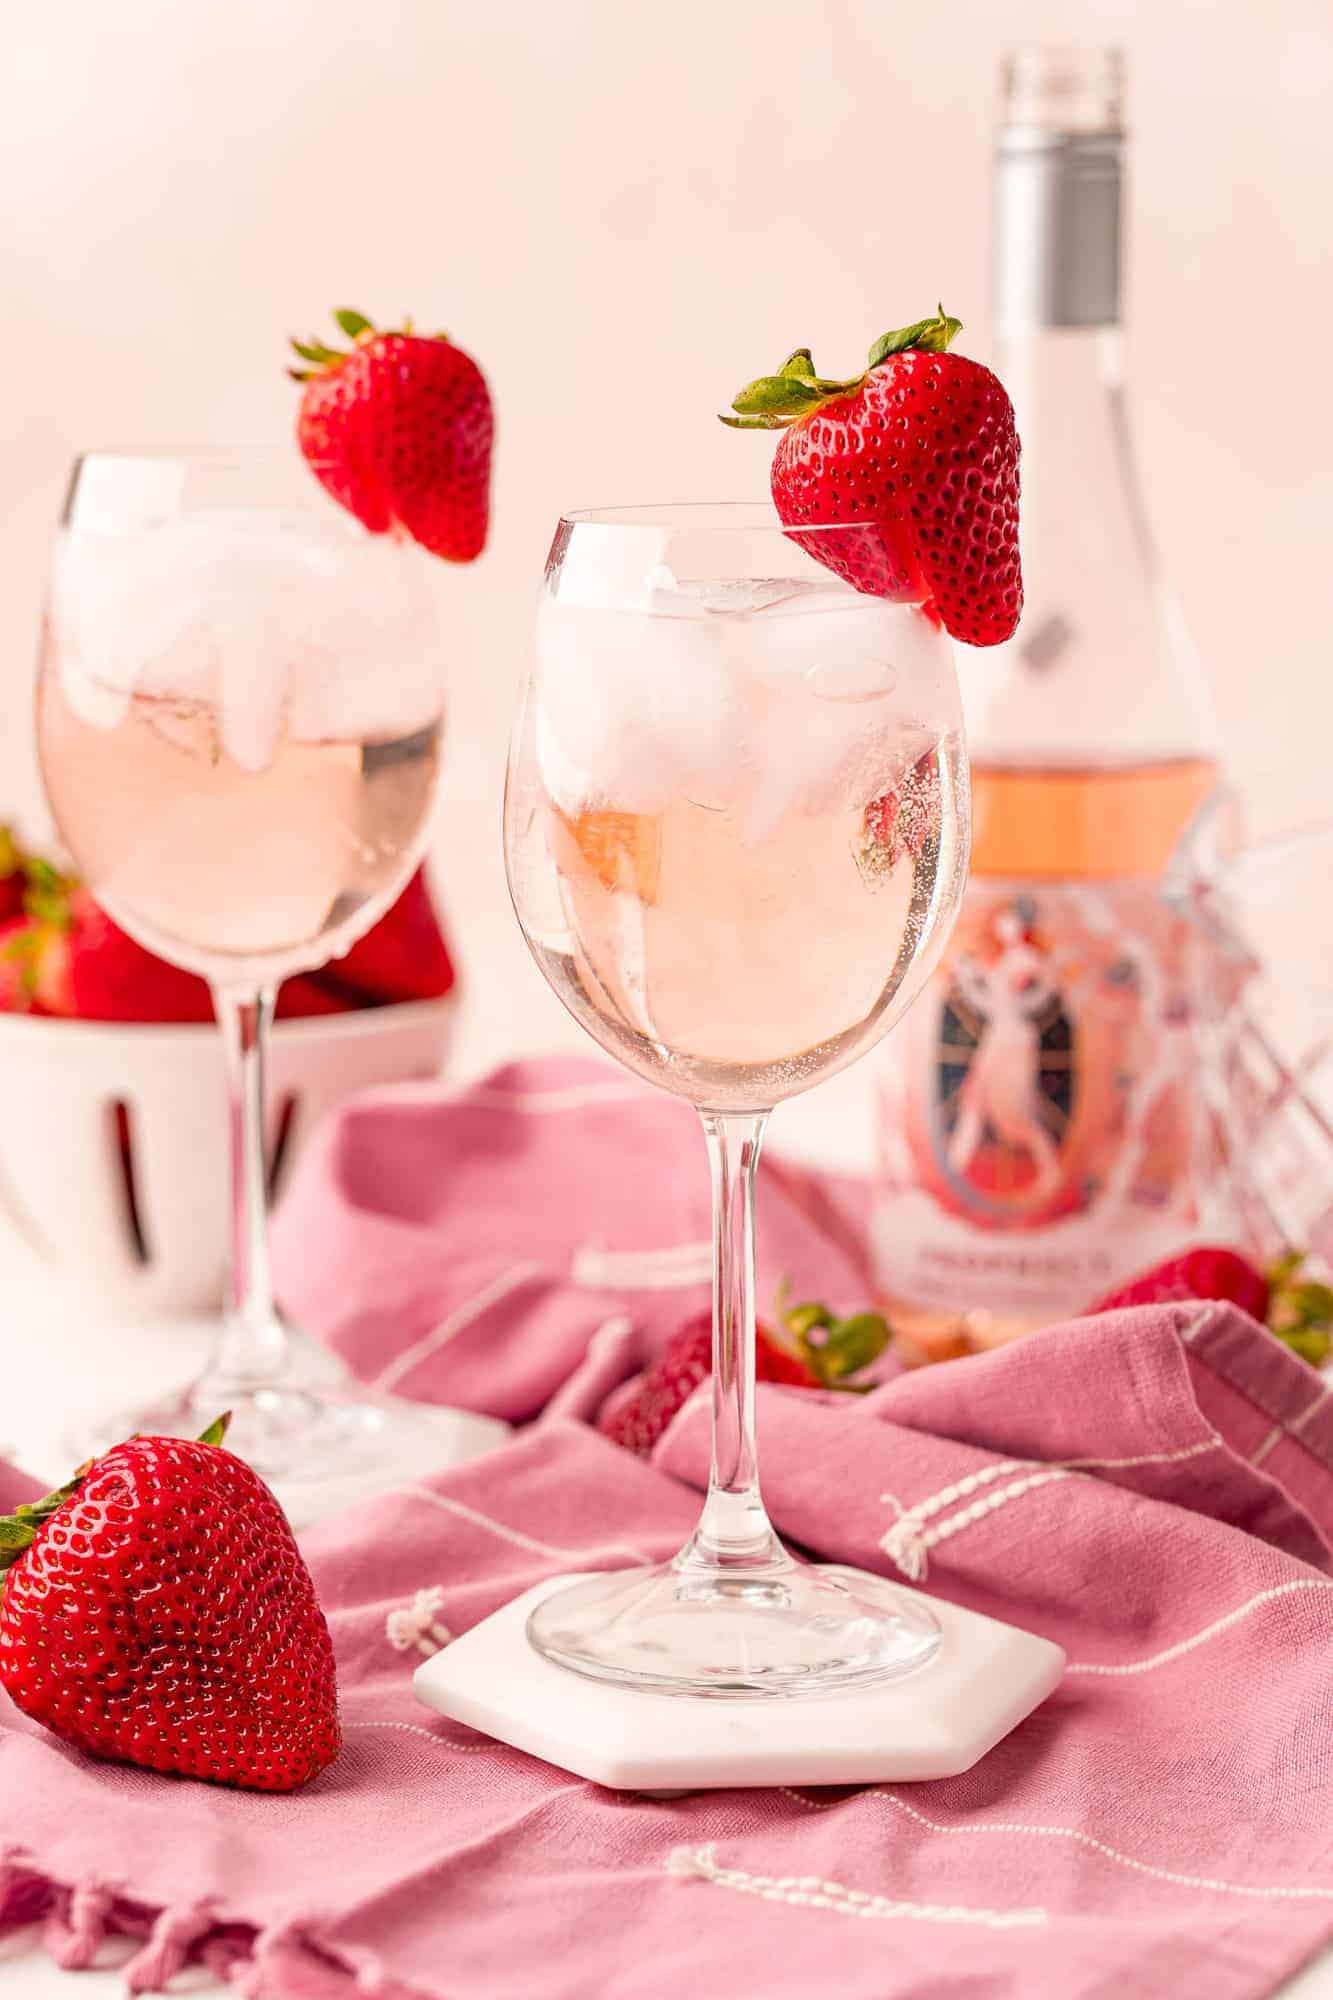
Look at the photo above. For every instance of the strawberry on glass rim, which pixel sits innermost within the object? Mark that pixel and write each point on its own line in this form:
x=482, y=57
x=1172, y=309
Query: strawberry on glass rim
x=922, y=445
x=398, y=428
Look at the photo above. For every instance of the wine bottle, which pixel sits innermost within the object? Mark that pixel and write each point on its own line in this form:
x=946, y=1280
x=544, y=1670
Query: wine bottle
x=1036, y=1124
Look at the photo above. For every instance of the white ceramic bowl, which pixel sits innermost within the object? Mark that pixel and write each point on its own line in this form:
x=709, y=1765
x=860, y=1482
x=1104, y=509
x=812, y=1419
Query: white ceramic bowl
x=65, y=1179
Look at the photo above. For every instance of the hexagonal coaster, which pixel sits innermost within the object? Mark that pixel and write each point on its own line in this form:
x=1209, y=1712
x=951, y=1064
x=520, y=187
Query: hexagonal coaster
x=931, y=1723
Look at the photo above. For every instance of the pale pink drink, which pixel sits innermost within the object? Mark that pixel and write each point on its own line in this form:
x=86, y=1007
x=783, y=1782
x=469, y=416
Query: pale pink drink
x=270, y=870
x=239, y=713
x=748, y=813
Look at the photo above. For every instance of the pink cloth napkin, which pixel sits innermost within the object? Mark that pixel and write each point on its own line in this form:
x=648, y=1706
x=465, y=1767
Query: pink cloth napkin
x=533, y=1238
x=1154, y=1489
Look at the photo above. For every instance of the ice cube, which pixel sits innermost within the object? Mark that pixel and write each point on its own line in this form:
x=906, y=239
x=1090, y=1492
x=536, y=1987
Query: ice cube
x=269, y=618
x=830, y=636
x=634, y=710
x=673, y=597
x=846, y=686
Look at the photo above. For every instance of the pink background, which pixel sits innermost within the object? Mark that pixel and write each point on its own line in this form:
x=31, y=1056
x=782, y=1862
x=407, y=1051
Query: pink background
x=625, y=211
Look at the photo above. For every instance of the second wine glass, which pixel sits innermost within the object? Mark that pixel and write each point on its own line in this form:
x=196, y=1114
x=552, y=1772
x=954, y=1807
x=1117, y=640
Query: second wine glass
x=736, y=830
x=239, y=709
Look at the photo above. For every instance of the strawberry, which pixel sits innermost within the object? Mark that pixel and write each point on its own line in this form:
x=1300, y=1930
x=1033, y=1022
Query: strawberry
x=623, y=850
x=1298, y=1310
x=34, y=950
x=307, y=994
x=113, y=978
x=13, y=880
x=921, y=447
x=901, y=822
x=399, y=431
x=34, y=967
x=157, y=1611
x=64, y=955
x=60, y=953
x=404, y=956
x=816, y=1351
x=637, y=1415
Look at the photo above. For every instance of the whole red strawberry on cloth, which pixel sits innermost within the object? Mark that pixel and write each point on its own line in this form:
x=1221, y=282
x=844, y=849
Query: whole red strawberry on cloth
x=921, y=445
x=812, y=1350
x=1292, y=1305
x=156, y=1610
x=399, y=430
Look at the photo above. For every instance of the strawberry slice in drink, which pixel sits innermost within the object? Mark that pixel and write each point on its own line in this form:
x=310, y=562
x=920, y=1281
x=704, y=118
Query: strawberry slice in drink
x=622, y=850
x=902, y=821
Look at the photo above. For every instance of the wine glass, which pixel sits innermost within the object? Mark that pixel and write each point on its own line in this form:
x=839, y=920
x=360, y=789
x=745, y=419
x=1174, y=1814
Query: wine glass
x=736, y=831
x=239, y=713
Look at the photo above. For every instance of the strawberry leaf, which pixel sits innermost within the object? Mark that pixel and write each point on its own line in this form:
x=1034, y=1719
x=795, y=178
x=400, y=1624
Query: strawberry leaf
x=217, y=1430
x=802, y=1320
x=1300, y=1310
x=1312, y=1345
x=753, y=423
x=316, y=351
x=834, y=1349
x=775, y=396
x=353, y=323
x=928, y=336
x=852, y=1344
x=18, y=1531
x=801, y=364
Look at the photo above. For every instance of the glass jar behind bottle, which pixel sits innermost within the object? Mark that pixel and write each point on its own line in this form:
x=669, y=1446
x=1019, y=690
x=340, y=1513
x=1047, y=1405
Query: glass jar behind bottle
x=1036, y=1123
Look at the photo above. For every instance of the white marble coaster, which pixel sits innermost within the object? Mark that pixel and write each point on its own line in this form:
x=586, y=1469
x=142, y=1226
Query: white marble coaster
x=932, y=1723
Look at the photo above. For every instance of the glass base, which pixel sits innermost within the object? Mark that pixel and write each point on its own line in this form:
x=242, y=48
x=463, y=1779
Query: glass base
x=296, y=1433
x=317, y=1449
x=785, y=1628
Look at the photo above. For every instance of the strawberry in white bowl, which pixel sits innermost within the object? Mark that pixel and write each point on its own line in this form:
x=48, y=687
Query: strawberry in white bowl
x=112, y=1157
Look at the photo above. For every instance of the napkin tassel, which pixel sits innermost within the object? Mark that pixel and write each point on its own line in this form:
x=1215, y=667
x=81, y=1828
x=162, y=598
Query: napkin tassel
x=169, y=1945
x=250, y=1975
x=416, y=1624
x=74, y=1934
x=905, y=1544
x=281, y=1950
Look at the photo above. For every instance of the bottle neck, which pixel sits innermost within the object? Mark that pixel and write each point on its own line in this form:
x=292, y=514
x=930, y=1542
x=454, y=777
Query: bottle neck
x=1057, y=230
x=1100, y=671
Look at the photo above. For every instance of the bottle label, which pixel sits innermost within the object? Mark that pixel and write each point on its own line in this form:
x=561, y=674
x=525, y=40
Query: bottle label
x=1036, y=1137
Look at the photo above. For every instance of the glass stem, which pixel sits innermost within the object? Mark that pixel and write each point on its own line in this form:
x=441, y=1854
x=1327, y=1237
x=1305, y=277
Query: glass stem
x=734, y=1532
x=253, y=1347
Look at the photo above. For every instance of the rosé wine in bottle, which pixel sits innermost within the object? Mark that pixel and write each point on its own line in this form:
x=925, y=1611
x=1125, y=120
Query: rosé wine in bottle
x=1037, y=1135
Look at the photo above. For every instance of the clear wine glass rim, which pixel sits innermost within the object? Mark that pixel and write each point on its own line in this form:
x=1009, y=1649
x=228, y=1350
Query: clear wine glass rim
x=741, y=517
x=204, y=455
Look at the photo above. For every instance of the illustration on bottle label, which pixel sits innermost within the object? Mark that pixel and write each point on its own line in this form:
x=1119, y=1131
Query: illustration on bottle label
x=1039, y=1093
